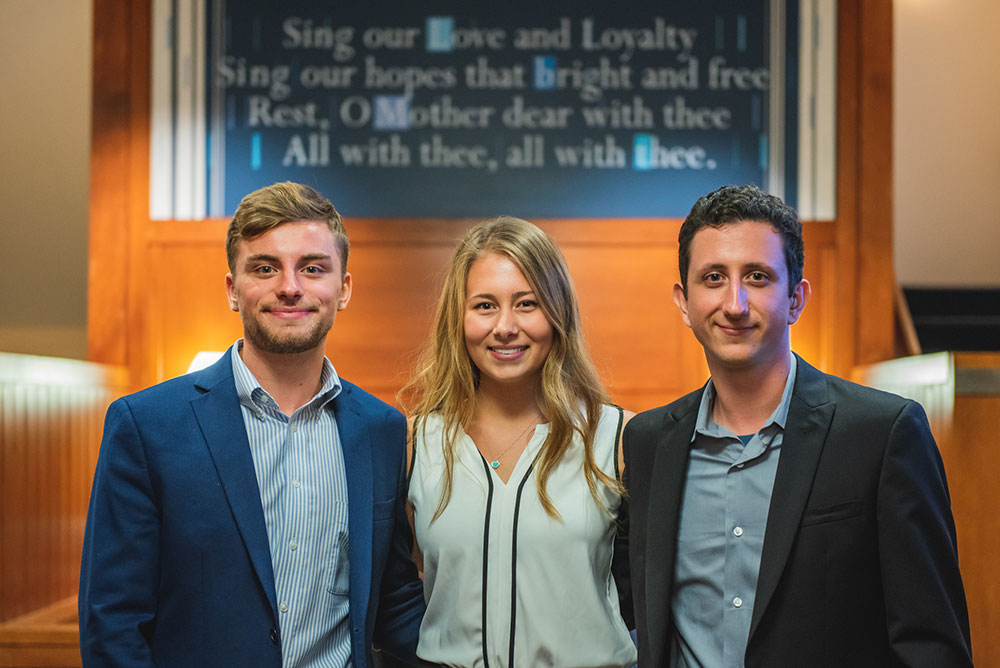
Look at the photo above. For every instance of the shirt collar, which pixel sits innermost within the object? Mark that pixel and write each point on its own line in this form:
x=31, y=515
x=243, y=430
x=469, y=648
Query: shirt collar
x=255, y=397
x=704, y=424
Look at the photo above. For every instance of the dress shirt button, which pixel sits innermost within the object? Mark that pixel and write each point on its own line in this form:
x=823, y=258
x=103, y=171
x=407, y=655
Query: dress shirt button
x=294, y=545
x=738, y=531
x=295, y=428
x=738, y=602
x=295, y=483
x=284, y=607
x=273, y=635
x=740, y=465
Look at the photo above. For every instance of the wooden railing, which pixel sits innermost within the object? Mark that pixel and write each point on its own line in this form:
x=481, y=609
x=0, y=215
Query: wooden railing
x=51, y=417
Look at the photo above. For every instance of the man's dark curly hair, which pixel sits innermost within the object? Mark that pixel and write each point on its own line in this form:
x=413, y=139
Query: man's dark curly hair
x=733, y=204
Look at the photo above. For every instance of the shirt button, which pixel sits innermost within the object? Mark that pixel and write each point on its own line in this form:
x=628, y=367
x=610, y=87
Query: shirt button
x=294, y=545
x=738, y=602
x=738, y=531
x=740, y=465
x=284, y=607
x=295, y=428
x=295, y=483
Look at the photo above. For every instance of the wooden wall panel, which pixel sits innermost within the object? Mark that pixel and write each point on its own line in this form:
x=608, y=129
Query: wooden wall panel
x=185, y=307
x=51, y=416
x=972, y=460
x=644, y=352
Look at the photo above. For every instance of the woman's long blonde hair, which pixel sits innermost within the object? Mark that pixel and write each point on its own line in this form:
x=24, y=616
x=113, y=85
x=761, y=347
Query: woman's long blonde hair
x=571, y=394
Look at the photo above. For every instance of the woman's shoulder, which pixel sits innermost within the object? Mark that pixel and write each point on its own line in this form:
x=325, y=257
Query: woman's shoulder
x=425, y=419
x=613, y=413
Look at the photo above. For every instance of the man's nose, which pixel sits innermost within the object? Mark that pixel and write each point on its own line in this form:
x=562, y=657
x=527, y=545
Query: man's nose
x=290, y=285
x=736, y=300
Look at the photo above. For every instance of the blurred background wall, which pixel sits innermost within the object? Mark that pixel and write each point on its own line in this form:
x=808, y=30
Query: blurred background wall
x=44, y=168
x=946, y=159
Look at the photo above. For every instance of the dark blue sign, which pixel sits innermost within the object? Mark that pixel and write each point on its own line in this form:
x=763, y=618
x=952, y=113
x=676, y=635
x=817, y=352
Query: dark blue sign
x=459, y=109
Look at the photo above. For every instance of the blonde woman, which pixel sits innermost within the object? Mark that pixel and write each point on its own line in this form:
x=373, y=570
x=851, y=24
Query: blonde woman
x=514, y=478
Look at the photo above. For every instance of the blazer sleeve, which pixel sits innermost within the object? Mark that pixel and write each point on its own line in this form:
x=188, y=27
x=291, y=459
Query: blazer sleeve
x=401, y=603
x=120, y=564
x=926, y=613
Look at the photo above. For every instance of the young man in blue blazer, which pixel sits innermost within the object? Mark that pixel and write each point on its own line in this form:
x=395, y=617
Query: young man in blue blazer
x=781, y=516
x=251, y=514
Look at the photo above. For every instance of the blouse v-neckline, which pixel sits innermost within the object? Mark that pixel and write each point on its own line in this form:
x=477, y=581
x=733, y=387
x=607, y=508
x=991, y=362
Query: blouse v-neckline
x=540, y=429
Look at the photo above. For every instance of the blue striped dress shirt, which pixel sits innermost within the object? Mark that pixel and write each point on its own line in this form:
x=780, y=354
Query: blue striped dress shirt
x=721, y=535
x=303, y=490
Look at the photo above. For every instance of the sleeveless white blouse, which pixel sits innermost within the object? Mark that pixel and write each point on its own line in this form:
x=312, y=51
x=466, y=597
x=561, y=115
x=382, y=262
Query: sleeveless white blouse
x=506, y=585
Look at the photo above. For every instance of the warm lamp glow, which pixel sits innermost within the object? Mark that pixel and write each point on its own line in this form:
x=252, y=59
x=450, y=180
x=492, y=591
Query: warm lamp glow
x=204, y=359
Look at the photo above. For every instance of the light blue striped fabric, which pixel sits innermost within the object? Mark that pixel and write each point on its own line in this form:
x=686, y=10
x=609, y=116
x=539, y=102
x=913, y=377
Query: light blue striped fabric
x=303, y=489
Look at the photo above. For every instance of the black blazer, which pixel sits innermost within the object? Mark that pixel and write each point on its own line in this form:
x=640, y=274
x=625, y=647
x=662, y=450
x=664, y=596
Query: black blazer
x=859, y=564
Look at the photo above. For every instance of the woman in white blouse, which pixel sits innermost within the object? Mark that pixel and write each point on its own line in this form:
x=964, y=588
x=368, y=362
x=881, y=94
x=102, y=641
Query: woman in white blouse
x=514, y=466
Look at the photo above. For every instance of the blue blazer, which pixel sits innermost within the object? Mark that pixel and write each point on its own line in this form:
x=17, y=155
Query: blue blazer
x=176, y=566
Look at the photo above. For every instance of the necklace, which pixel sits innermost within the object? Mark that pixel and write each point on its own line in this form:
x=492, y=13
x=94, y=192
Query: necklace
x=495, y=464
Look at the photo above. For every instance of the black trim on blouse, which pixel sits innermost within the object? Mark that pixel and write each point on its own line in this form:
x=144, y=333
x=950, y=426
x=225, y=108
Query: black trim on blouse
x=513, y=562
x=486, y=554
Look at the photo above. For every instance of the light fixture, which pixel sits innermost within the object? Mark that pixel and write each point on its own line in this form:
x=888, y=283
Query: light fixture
x=203, y=359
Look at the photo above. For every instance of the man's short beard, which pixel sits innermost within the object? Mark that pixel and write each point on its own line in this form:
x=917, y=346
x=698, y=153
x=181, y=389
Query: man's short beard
x=266, y=341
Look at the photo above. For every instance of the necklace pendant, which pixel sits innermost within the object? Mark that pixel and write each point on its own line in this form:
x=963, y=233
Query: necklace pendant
x=495, y=464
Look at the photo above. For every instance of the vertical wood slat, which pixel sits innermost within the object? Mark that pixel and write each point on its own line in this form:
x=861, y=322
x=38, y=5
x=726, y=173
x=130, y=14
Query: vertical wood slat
x=111, y=142
x=864, y=182
x=876, y=289
x=51, y=414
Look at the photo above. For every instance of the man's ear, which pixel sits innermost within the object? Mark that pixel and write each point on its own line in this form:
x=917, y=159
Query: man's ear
x=682, y=304
x=803, y=291
x=234, y=303
x=345, y=291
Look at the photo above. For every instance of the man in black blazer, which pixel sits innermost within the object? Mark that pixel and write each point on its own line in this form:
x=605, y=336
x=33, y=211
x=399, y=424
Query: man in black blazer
x=781, y=516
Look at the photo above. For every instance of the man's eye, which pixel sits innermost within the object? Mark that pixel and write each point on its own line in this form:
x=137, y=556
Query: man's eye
x=714, y=277
x=758, y=276
x=265, y=269
x=313, y=270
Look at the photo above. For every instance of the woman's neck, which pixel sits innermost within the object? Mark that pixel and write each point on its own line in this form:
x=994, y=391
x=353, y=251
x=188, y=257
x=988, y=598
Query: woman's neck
x=506, y=401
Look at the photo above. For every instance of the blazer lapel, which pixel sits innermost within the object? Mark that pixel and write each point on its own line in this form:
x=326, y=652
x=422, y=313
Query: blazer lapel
x=809, y=415
x=218, y=413
x=355, y=443
x=663, y=515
